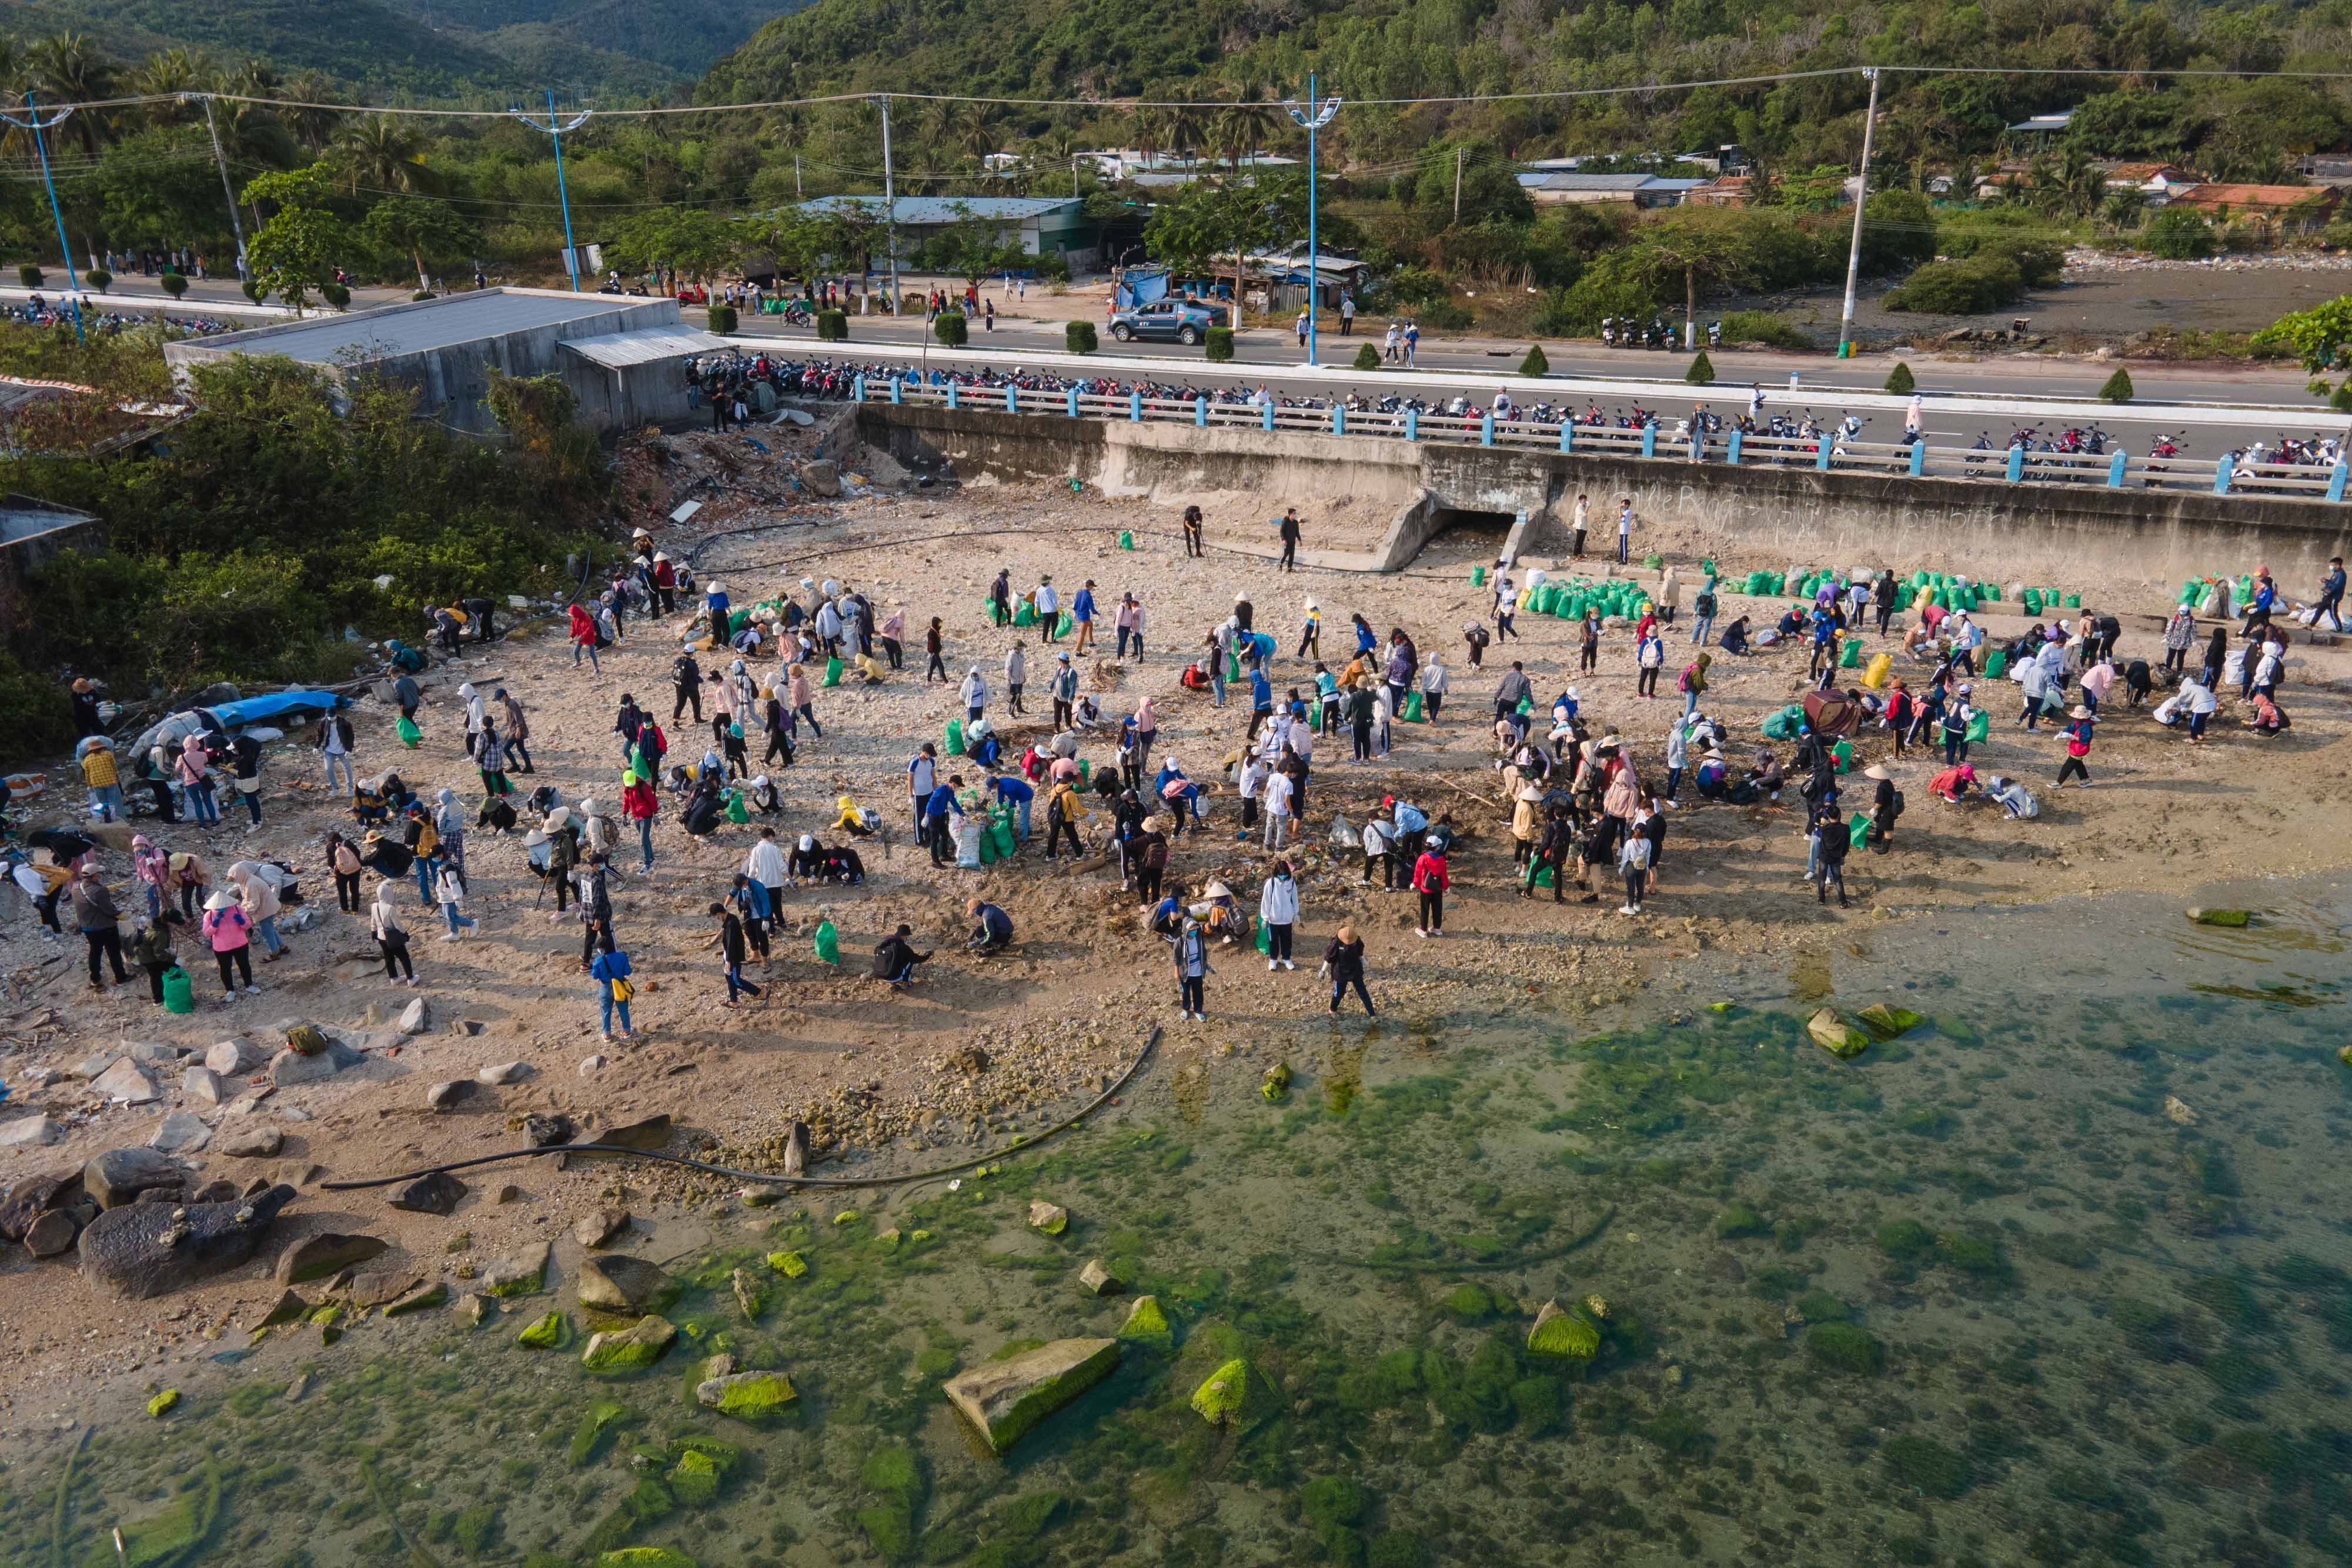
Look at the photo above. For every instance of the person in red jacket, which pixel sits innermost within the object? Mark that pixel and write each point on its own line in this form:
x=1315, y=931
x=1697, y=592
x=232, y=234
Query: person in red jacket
x=664, y=586
x=583, y=638
x=1430, y=881
x=641, y=802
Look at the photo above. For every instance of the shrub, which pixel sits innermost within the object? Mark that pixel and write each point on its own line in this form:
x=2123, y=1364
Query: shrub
x=722, y=319
x=952, y=330
x=28, y=274
x=1078, y=337
x=98, y=278
x=253, y=290
x=1701, y=371
x=833, y=326
x=2177, y=233
x=173, y=284
x=1220, y=343
x=1445, y=316
x=2118, y=388
x=1763, y=327
x=1899, y=381
x=336, y=295
x=2342, y=402
x=1962, y=288
x=1535, y=364
x=1367, y=357
x=420, y=296
x=2040, y=262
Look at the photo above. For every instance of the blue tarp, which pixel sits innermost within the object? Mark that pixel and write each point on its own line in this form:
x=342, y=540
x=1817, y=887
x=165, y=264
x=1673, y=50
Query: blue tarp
x=257, y=710
x=1142, y=288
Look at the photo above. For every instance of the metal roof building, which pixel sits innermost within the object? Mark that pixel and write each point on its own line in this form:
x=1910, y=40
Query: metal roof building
x=617, y=352
x=1042, y=224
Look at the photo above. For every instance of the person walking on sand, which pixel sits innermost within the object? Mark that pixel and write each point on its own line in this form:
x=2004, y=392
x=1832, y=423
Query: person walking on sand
x=1193, y=546
x=1624, y=530
x=1343, y=962
x=1016, y=675
x=95, y=916
x=1581, y=522
x=937, y=670
x=584, y=635
x=2078, y=747
x=614, y=989
x=1289, y=531
x=449, y=890
x=1191, y=959
x=1278, y=911
x=734, y=951
x=1082, y=611
x=1431, y=880
x=230, y=931
x=391, y=935
x=514, y=748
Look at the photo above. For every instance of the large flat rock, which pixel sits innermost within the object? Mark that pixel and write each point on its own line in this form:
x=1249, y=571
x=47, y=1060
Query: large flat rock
x=1005, y=1399
x=144, y=1249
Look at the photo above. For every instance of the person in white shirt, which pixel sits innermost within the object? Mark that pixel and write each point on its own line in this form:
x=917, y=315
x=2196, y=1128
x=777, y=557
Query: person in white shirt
x=1277, y=798
x=765, y=865
x=1277, y=910
x=1433, y=684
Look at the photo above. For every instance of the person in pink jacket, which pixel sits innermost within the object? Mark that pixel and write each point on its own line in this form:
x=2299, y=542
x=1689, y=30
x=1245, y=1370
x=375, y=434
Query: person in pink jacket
x=230, y=930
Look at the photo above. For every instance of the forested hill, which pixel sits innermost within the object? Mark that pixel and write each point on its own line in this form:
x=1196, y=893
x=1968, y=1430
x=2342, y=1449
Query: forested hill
x=584, y=49
x=1223, y=49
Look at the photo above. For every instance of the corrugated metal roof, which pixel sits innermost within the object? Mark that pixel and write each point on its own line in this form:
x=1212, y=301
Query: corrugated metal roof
x=923, y=210
x=23, y=517
x=644, y=346
x=432, y=324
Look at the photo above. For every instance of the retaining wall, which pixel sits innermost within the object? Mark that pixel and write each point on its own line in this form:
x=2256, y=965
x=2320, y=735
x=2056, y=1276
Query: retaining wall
x=1990, y=530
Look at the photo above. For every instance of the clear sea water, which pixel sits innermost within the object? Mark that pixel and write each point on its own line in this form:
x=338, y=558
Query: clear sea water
x=2059, y=1277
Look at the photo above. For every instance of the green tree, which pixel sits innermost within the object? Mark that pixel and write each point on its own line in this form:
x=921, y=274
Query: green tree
x=1535, y=364
x=2320, y=337
x=1899, y=381
x=384, y=152
x=2118, y=388
x=300, y=245
x=1697, y=244
x=423, y=229
x=697, y=243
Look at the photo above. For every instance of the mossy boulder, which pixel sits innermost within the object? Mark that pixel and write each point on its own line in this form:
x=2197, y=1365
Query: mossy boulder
x=1737, y=1219
x=2232, y=917
x=1568, y=1334
x=1836, y=1036
x=630, y=1349
x=1048, y=1219
x=694, y=1480
x=1004, y=1400
x=163, y=1404
x=589, y=1436
x=2343, y=1054
x=645, y=1557
x=750, y=1295
x=418, y=1299
x=553, y=1332
x=1147, y=1323
x=1885, y=1023
x=523, y=1274
x=791, y=1265
x=1467, y=1304
x=1905, y=1239
x=747, y=1395
x=1223, y=1395
x=1841, y=1347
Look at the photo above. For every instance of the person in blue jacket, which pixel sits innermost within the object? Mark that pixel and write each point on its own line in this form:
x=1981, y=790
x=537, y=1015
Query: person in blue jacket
x=1014, y=788
x=611, y=964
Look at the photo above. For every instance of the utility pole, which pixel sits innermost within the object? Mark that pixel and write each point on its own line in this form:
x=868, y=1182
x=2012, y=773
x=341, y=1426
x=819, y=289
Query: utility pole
x=890, y=201
x=556, y=134
x=1457, y=184
x=235, y=222
x=1853, y=251
x=797, y=194
x=35, y=125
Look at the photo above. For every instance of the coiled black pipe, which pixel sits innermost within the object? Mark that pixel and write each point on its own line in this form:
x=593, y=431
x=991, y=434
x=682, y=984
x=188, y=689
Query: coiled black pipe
x=1151, y=1041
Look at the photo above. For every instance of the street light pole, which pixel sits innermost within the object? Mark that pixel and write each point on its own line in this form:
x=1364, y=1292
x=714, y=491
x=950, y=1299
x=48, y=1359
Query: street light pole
x=1314, y=117
x=1861, y=195
x=890, y=201
x=235, y=222
x=556, y=134
x=35, y=125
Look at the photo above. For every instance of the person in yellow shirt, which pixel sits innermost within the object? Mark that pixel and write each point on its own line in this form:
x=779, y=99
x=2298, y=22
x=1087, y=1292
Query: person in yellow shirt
x=97, y=771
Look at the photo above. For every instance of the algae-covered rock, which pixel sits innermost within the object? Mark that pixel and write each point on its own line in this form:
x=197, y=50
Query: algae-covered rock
x=1096, y=1280
x=747, y=1395
x=1004, y=1400
x=1048, y=1219
x=750, y=1295
x=1276, y=1086
x=791, y=1265
x=553, y=1332
x=2343, y=1054
x=695, y=1479
x=522, y=1274
x=1836, y=1036
x=164, y=1402
x=589, y=1436
x=1225, y=1393
x=1721, y=1008
x=1467, y=1304
x=628, y=1349
x=1885, y=1023
x=418, y=1299
x=616, y=1282
x=2234, y=917
x=1567, y=1332
x=1147, y=1323
x=645, y=1557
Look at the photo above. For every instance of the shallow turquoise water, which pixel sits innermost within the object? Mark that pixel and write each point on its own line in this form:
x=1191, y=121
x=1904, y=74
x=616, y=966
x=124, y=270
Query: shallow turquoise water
x=1977, y=1297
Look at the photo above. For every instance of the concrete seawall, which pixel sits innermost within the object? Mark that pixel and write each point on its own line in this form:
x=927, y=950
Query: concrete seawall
x=1990, y=530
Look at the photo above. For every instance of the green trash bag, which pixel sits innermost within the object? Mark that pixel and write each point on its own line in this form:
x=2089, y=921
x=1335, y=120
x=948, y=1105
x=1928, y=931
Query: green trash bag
x=1706, y=565
x=1755, y=584
x=1085, y=770
x=987, y=848
x=1653, y=560
x=1992, y=591
x=1001, y=837
x=1858, y=831
x=1979, y=725
x=1526, y=704
x=1996, y=664
x=2033, y=602
x=408, y=732
x=1782, y=726
x=1232, y=668
x=833, y=671
x=1264, y=938
x=828, y=944
x=1025, y=615
x=2073, y=602
x=735, y=811
x=1851, y=658
x=1412, y=708
x=954, y=738
x=1843, y=751
x=1065, y=625
x=736, y=622
x=1903, y=598
x=1540, y=874
x=179, y=991
x=1126, y=539
x=1477, y=577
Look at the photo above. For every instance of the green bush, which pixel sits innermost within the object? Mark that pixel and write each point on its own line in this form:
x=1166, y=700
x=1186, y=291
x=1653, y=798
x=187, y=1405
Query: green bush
x=252, y=290
x=173, y=284
x=1535, y=364
x=2176, y=233
x=336, y=295
x=833, y=326
x=1702, y=371
x=1899, y=380
x=2118, y=388
x=1220, y=343
x=98, y=278
x=1078, y=337
x=28, y=274
x=2039, y=262
x=2342, y=400
x=1445, y=316
x=1763, y=327
x=420, y=296
x=1367, y=357
x=35, y=715
x=952, y=330
x=722, y=319
x=1963, y=288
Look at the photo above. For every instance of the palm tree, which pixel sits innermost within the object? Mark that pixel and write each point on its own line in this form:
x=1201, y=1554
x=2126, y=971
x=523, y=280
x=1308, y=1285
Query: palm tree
x=63, y=68
x=385, y=152
x=1240, y=126
x=314, y=127
x=170, y=74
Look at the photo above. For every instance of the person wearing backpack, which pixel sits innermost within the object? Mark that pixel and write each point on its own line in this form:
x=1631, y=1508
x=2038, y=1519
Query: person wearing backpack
x=2078, y=747
x=1833, y=840
x=1703, y=609
x=1957, y=717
